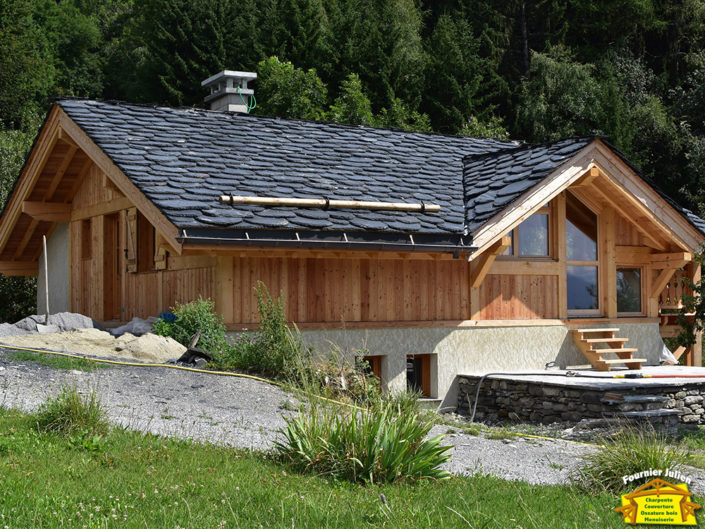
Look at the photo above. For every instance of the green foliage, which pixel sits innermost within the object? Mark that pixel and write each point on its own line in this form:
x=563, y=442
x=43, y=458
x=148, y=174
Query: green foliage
x=493, y=128
x=195, y=316
x=693, y=299
x=71, y=413
x=55, y=362
x=352, y=105
x=383, y=444
x=285, y=90
x=47, y=482
x=635, y=449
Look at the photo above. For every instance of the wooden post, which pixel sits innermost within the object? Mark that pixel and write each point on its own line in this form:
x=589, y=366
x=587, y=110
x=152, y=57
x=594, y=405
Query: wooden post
x=46, y=280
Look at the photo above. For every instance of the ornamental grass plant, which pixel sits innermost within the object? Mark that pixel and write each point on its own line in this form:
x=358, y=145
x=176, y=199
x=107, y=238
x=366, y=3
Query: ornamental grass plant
x=636, y=448
x=70, y=413
x=381, y=444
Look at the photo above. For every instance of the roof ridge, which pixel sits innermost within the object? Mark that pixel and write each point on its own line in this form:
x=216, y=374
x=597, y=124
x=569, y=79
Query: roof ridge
x=527, y=145
x=119, y=102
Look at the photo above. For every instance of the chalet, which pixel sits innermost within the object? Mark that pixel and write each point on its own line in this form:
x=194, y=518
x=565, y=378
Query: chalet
x=438, y=254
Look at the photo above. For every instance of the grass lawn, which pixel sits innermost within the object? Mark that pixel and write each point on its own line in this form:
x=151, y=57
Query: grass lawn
x=132, y=480
x=55, y=362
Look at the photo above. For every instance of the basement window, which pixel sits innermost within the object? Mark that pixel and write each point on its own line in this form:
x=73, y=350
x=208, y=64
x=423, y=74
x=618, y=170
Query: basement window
x=370, y=365
x=418, y=374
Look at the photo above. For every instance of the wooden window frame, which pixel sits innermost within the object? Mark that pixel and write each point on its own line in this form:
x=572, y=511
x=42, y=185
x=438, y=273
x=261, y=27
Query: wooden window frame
x=600, y=310
x=642, y=286
x=547, y=210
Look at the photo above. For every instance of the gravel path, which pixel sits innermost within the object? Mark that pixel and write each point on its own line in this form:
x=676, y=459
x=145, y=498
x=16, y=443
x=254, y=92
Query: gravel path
x=245, y=413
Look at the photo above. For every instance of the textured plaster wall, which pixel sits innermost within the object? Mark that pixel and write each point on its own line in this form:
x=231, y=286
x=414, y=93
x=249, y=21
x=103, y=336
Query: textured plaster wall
x=58, y=260
x=474, y=349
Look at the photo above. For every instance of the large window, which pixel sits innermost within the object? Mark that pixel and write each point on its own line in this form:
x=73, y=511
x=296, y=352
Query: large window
x=531, y=237
x=629, y=291
x=582, y=273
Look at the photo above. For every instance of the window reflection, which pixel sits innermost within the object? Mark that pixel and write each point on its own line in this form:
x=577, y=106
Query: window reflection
x=628, y=290
x=582, y=287
x=581, y=231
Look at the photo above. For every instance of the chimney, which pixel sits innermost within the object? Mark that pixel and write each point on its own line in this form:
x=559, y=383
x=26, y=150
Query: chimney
x=229, y=92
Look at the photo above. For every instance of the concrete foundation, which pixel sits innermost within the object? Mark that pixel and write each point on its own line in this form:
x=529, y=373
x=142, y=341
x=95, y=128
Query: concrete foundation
x=469, y=349
x=58, y=260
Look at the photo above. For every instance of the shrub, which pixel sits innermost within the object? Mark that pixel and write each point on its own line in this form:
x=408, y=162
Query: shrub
x=377, y=445
x=70, y=413
x=274, y=349
x=193, y=317
x=634, y=449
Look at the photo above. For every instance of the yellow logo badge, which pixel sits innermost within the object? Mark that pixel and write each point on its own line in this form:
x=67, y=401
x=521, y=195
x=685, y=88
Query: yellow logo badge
x=659, y=502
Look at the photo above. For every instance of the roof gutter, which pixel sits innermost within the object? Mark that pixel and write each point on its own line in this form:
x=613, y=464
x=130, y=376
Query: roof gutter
x=344, y=242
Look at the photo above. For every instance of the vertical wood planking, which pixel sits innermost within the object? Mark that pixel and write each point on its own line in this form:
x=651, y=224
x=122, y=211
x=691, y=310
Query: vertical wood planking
x=224, y=287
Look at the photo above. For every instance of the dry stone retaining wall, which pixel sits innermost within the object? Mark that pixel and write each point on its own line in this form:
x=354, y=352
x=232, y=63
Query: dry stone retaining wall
x=539, y=402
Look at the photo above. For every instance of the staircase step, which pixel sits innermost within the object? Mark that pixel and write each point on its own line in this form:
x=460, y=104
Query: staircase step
x=610, y=350
x=611, y=398
x=646, y=414
x=596, y=329
x=613, y=361
x=605, y=340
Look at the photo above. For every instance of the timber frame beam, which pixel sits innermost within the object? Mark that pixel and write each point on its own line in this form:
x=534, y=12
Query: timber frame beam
x=19, y=268
x=48, y=211
x=483, y=266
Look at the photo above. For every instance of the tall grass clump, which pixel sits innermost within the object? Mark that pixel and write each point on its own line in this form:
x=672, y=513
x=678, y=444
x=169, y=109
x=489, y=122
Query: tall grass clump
x=375, y=445
x=635, y=448
x=70, y=413
x=274, y=349
x=192, y=317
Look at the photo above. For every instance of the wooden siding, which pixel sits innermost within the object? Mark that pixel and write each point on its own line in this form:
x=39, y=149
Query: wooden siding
x=353, y=289
x=519, y=297
x=625, y=233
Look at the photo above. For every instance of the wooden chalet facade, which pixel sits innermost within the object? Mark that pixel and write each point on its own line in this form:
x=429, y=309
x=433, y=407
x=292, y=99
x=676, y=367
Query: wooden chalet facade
x=540, y=239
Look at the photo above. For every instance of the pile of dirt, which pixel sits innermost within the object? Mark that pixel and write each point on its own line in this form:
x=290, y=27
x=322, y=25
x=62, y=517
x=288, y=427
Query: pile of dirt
x=94, y=342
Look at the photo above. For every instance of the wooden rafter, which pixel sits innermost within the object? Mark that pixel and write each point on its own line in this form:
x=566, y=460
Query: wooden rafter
x=79, y=179
x=56, y=180
x=483, y=266
x=31, y=173
x=27, y=237
x=639, y=226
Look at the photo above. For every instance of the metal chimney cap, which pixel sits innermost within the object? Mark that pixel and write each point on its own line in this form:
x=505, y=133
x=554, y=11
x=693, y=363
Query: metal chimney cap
x=245, y=76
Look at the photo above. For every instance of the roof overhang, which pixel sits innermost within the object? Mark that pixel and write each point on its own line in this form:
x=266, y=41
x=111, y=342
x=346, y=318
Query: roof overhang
x=596, y=158
x=60, y=129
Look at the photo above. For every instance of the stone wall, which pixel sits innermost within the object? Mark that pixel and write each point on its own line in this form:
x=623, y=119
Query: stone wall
x=539, y=402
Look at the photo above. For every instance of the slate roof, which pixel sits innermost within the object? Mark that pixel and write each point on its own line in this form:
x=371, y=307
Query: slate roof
x=184, y=159
x=491, y=181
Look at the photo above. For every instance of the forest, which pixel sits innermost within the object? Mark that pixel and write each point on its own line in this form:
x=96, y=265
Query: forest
x=632, y=71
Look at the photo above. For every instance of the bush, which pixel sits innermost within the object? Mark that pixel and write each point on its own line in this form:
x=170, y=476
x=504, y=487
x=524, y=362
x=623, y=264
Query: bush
x=70, y=413
x=274, y=349
x=378, y=445
x=632, y=450
x=195, y=316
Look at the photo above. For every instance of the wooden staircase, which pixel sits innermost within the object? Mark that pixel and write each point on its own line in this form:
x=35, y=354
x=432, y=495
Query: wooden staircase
x=594, y=343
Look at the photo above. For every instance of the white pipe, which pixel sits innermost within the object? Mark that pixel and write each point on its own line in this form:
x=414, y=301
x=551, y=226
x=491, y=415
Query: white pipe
x=46, y=280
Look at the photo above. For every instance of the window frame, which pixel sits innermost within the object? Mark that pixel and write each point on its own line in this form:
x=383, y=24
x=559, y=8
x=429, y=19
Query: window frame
x=599, y=311
x=642, y=284
x=546, y=209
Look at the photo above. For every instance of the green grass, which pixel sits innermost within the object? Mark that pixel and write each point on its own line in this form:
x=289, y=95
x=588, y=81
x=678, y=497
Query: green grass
x=53, y=361
x=133, y=480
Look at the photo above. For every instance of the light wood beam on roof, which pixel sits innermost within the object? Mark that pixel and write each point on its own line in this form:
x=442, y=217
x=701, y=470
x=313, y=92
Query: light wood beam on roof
x=587, y=178
x=650, y=239
x=49, y=211
x=485, y=263
x=63, y=166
